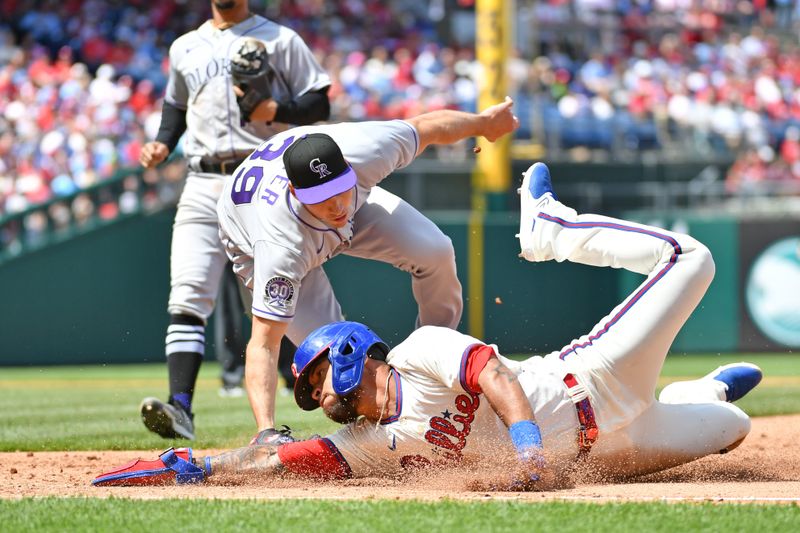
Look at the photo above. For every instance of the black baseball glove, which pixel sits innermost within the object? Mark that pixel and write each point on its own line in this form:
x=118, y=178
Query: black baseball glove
x=251, y=72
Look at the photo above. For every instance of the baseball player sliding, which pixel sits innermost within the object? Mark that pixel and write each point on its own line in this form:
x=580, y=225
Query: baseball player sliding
x=442, y=398
x=233, y=82
x=310, y=193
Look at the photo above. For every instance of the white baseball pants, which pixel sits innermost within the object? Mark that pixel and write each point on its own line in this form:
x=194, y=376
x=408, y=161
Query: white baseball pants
x=620, y=360
x=197, y=257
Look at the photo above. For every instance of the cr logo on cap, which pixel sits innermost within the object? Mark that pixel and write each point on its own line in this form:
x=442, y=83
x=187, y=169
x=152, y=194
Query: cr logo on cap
x=319, y=168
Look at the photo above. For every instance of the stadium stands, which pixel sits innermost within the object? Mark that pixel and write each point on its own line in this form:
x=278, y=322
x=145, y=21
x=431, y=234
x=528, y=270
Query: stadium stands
x=81, y=81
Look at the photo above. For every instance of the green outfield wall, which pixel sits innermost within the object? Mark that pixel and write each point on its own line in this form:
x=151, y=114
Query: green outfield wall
x=101, y=297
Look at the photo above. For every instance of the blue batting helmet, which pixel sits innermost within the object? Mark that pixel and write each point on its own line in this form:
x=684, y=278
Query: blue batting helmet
x=347, y=345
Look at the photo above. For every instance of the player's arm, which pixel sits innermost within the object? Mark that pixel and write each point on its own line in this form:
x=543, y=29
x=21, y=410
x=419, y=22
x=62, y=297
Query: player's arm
x=305, y=109
x=307, y=99
x=504, y=393
x=447, y=126
x=173, y=124
x=502, y=389
x=261, y=369
x=316, y=458
x=173, y=111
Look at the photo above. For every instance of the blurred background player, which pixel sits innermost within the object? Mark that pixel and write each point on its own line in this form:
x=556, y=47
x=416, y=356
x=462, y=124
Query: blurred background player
x=221, y=132
x=229, y=339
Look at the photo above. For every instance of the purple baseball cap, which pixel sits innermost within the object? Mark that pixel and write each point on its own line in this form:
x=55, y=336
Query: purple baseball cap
x=316, y=167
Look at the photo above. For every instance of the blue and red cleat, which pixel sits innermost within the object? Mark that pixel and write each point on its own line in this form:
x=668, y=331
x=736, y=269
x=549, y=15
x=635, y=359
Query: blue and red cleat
x=174, y=466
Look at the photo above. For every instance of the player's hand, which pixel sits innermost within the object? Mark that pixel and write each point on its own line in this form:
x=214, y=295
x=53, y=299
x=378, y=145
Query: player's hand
x=531, y=472
x=513, y=475
x=500, y=119
x=532, y=475
x=273, y=436
x=527, y=439
x=153, y=153
x=264, y=111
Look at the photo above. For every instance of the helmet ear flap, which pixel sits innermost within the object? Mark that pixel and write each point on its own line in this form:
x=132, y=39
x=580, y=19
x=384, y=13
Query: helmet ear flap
x=349, y=354
x=348, y=347
x=347, y=357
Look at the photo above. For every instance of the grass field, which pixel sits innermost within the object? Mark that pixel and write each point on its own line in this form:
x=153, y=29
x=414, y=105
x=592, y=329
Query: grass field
x=97, y=408
x=74, y=514
x=88, y=408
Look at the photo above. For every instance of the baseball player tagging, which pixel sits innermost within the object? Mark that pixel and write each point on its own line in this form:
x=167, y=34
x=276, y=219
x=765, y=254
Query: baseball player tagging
x=309, y=194
x=200, y=99
x=442, y=397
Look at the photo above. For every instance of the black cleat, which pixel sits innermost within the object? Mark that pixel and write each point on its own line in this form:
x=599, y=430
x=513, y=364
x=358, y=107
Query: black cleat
x=168, y=420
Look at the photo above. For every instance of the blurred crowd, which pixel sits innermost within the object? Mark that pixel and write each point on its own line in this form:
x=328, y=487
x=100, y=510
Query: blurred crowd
x=80, y=86
x=81, y=81
x=705, y=79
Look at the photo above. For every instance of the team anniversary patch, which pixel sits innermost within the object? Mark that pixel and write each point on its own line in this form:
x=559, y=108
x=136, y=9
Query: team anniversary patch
x=279, y=292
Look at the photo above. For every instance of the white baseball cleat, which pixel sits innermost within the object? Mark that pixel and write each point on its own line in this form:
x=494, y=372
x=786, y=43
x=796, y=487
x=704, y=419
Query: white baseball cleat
x=231, y=391
x=738, y=379
x=536, y=192
x=727, y=383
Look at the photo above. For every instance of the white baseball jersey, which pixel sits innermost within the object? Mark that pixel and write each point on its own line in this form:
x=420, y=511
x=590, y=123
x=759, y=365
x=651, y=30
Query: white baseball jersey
x=199, y=82
x=271, y=238
x=616, y=367
x=442, y=420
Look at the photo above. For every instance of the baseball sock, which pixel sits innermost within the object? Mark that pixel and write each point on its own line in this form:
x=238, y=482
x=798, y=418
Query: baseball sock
x=185, y=345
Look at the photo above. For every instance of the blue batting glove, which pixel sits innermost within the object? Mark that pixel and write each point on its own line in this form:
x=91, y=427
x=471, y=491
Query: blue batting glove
x=527, y=441
x=527, y=438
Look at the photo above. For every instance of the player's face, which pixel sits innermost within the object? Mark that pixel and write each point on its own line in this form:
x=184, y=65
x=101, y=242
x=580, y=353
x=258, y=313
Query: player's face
x=335, y=211
x=317, y=378
x=341, y=409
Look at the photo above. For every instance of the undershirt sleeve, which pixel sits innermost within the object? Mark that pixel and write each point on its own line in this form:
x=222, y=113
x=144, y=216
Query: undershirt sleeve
x=305, y=109
x=316, y=458
x=173, y=124
x=476, y=360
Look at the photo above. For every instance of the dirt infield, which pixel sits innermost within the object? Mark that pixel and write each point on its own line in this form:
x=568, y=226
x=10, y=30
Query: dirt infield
x=765, y=468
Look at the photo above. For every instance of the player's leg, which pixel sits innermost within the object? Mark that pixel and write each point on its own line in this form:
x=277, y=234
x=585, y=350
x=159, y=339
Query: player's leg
x=667, y=435
x=625, y=351
x=726, y=383
x=697, y=419
x=392, y=231
x=196, y=263
x=229, y=335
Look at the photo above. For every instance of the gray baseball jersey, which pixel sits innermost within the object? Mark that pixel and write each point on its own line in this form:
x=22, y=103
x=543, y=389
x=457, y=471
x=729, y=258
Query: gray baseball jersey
x=199, y=81
x=272, y=239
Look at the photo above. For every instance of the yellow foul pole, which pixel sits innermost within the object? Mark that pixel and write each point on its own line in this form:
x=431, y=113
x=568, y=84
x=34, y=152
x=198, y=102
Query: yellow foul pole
x=493, y=40
x=492, y=174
